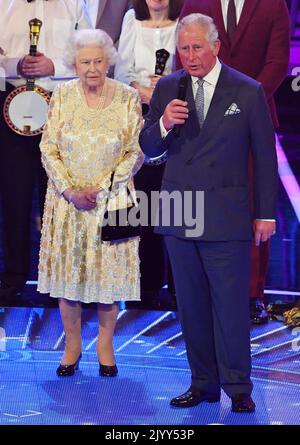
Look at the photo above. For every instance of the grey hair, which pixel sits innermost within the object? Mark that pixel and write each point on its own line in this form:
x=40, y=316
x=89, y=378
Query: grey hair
x=203, y=21
x=86, y=38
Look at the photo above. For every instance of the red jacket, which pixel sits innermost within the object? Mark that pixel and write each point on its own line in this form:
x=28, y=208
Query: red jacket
x=261, y=44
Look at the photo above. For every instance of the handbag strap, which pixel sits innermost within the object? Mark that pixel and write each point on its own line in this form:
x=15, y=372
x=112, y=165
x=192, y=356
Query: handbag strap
x=110, y=189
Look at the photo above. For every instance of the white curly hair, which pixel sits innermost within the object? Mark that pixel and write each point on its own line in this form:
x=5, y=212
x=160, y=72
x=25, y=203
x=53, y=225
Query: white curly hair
x=87, y=38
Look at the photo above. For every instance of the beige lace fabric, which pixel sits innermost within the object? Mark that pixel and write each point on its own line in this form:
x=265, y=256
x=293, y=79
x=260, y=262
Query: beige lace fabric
x=80, y=147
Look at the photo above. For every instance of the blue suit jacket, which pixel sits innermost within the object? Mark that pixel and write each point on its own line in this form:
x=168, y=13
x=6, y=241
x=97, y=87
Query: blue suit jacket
x=215, y=159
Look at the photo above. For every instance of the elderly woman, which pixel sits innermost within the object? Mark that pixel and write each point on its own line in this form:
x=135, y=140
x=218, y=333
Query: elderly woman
x=92, y=130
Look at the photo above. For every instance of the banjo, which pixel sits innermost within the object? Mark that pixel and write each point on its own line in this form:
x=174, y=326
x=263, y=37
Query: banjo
x=25, y=108
x=162, y=56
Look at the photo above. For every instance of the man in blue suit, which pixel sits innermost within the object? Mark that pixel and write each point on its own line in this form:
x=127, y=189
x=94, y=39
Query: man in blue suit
x=223, y=116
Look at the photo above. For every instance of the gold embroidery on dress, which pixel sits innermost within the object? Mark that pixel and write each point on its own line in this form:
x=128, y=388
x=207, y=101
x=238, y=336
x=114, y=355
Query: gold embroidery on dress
x=73, y=262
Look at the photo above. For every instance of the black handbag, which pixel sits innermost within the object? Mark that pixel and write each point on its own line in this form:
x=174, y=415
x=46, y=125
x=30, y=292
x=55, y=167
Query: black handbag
x=116, y=225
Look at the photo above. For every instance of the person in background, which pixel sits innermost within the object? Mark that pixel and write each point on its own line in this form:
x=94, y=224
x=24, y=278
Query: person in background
x=148, y=27
x=294, y=8
x=224, y=116
x=255, y=39
x=108, y=15
x=91, y=132
x=20, y=163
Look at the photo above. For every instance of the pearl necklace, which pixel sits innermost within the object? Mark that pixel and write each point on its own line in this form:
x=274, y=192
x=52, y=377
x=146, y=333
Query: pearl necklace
x=101, y=102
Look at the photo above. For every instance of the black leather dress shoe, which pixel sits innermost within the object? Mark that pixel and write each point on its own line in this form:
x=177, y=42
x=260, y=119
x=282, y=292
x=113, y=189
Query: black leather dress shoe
x=108, y=371
x=68, y=370
x=258, y=312
x=242, y=403
x=193, y=398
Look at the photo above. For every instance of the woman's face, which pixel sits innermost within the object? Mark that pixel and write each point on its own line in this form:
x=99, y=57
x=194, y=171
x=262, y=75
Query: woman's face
x=91, y=66
x=158, y=5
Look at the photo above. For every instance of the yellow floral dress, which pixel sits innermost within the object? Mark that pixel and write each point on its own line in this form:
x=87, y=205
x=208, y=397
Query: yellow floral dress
x=80, y=147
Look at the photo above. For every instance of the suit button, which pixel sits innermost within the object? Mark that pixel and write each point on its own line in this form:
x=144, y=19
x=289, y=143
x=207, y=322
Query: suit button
x=189, y=162
x=212, y=164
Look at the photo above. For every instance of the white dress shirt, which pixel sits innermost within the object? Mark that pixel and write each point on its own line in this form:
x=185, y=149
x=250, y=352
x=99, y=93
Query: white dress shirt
x=59, y=17
x=238, y=6
x=93, y=7
x=209, y=86
x=137, y=47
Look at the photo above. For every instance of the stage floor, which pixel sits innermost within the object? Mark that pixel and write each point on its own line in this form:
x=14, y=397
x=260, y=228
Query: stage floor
x=152, y=366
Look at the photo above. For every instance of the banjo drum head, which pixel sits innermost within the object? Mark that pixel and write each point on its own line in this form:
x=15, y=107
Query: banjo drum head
x=25, y=112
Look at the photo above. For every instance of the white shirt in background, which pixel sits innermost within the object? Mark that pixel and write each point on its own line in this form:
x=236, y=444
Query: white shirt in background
x=137, y=47
x=93, y=7
x=238, y=6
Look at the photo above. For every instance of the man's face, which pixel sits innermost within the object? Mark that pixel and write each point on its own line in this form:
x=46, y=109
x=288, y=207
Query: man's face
x=197, y=55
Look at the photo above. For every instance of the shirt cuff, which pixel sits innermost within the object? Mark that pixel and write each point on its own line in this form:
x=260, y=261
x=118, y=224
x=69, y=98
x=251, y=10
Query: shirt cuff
x=262, y=219
x=10, y=66
x=164, y=133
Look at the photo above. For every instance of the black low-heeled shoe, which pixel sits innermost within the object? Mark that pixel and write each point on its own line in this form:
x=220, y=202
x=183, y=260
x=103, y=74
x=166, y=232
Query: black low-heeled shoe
x=108, y=371
x=68, y=370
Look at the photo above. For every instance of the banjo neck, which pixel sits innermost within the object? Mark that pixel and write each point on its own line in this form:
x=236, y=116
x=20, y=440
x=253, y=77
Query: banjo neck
x=35, y=29
x=162, y=56
x=30, y=82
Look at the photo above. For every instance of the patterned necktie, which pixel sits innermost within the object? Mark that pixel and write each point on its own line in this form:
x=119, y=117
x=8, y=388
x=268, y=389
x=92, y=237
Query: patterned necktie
x=199, y=101
x=231, y=20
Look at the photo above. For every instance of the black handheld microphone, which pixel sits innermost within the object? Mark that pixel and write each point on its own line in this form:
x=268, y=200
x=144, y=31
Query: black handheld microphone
x=181, y=95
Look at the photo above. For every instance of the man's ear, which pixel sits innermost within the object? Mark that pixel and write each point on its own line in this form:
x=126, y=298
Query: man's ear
x=216, y=47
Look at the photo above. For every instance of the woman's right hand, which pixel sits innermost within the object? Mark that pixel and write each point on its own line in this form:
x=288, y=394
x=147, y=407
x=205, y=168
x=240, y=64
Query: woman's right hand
x=85, y=199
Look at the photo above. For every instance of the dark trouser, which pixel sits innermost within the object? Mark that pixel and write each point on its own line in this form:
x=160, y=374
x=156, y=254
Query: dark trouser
x=20, y=168
x=212, y=291
x=259, y=255
x=259, y=268
x=152, y=254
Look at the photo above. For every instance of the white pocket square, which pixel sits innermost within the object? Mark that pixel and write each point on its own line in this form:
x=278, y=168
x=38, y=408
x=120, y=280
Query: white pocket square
x=233, y=109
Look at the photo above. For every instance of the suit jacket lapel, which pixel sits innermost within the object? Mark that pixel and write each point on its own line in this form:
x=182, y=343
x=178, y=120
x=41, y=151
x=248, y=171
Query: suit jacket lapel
x=216, y=13
x=100, y=11
x=248, y=10
x=223, y=97
x=191, y=127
